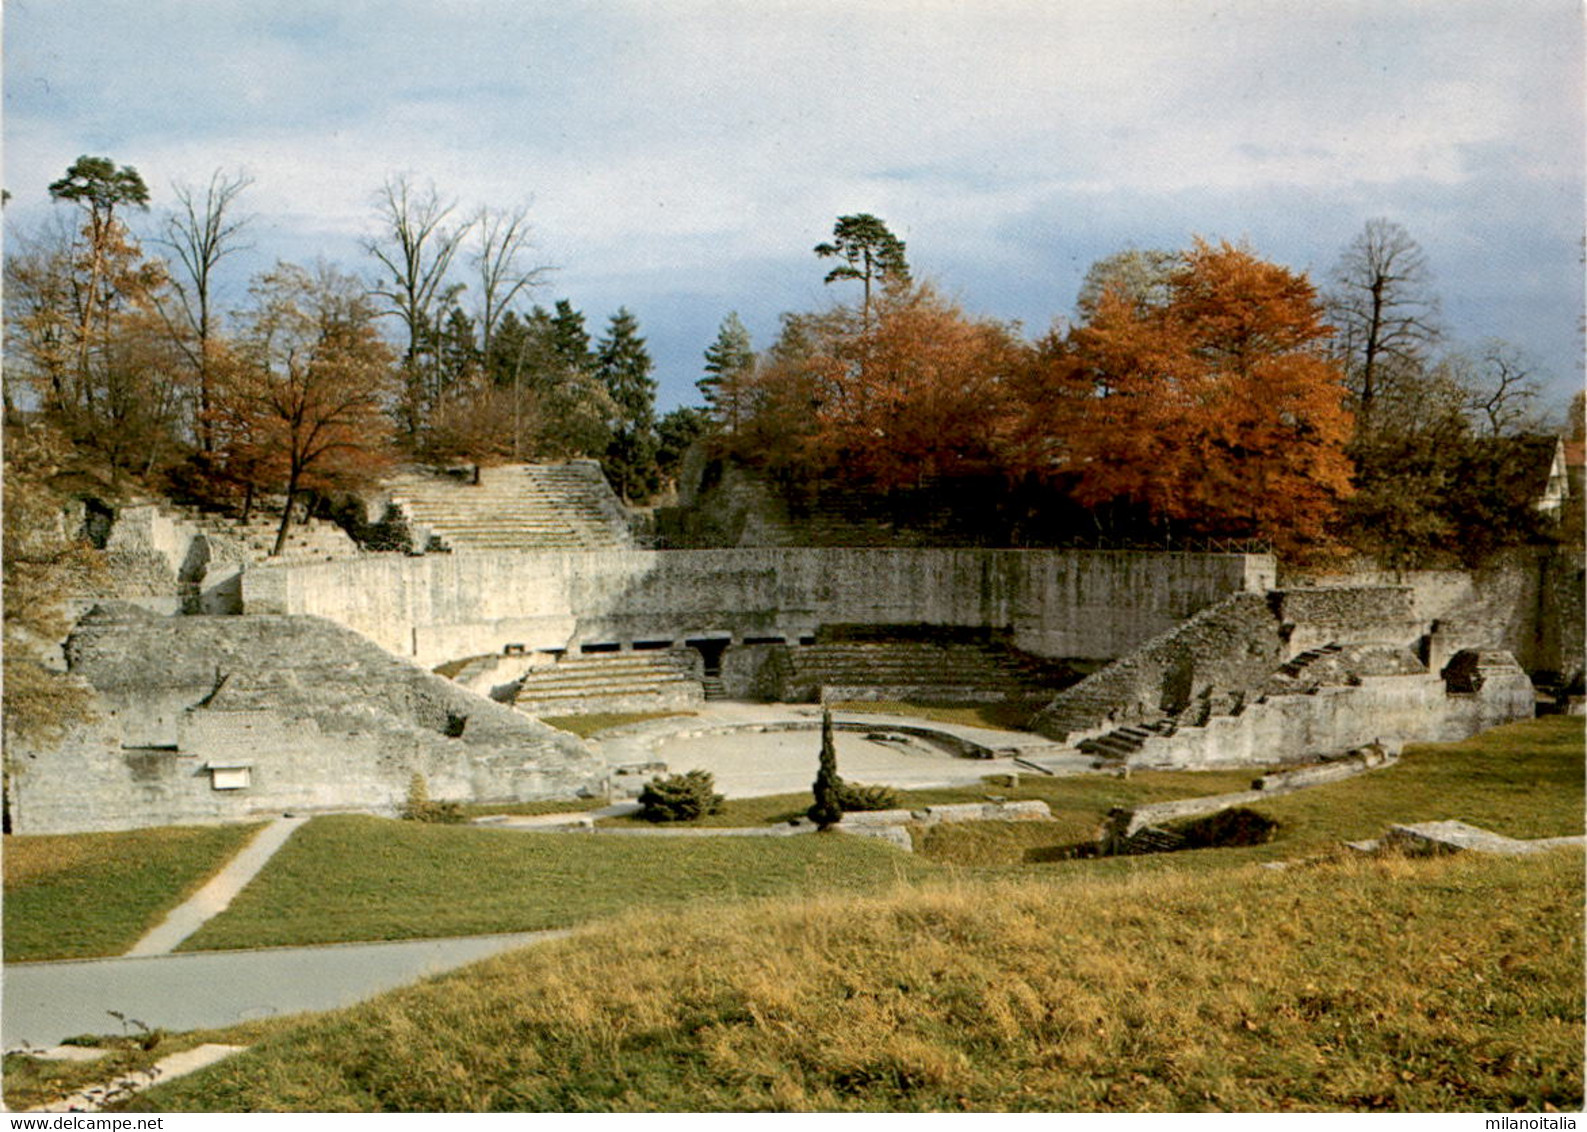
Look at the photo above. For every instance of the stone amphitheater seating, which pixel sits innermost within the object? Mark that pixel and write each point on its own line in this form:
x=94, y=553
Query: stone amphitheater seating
x=909, y=670
x=517, y=507
x=618, y=681
x=316, y=540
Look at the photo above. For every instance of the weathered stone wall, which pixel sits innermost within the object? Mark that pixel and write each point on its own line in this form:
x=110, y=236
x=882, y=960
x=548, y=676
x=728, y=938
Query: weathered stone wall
x=1054, y=603
x=320, y=717
x=1564, y=621
x=1220, y=654
x=1527, y=602
x=1230, y=646
x=1335, y=719
x=1321, y=615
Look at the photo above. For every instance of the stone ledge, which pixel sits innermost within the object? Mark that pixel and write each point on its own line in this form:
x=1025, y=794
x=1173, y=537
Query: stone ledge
x=1430, y=837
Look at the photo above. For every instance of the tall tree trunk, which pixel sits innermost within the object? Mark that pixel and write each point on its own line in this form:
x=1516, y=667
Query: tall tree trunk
x=286, y=514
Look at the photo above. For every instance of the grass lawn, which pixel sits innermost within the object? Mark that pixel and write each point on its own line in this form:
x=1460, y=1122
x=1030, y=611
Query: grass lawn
x=586, y=725
x=1434, y=984
x=1008, y=715
x=361, y=878
x=1522, y=780
x=69, y=896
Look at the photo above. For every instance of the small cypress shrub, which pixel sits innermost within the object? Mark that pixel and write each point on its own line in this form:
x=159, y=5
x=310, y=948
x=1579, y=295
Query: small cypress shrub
x=827, y=810
x=681, y=797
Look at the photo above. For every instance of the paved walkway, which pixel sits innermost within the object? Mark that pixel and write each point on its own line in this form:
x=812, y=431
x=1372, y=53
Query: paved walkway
x=212, y=899
x=46, y=1002
x=95, y=1097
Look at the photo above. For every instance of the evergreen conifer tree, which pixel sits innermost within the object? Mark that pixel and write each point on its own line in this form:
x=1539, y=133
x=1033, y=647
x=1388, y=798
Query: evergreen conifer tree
x=826, y=812
x=729, y=364
x=623, y=366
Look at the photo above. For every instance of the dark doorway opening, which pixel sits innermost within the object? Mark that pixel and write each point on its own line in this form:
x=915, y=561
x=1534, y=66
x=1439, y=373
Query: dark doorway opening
x=711, y=650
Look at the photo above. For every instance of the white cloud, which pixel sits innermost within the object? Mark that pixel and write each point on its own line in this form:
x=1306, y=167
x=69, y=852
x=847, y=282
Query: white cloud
x=712, y=137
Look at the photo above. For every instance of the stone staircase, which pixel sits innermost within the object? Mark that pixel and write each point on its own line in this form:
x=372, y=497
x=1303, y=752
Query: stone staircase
x=517, y=507
x=619, y=681
x=908, y=670
x=1118, y=745
x=1296, y=667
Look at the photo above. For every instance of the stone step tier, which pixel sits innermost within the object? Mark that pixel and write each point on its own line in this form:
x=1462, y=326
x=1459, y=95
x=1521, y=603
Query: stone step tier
x=1297, y=665
x=912, y=669
x=599, y=682
x=517, y=507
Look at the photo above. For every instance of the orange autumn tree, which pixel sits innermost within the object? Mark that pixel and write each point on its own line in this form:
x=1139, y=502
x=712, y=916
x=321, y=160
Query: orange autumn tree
x=1216, y=410
x=305, y=394
x=912, y=394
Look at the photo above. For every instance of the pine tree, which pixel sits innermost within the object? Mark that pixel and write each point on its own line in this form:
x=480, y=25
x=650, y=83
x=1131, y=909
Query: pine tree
x=827, y=811
x=870, y=253
x=729, y=364
x=623, y=366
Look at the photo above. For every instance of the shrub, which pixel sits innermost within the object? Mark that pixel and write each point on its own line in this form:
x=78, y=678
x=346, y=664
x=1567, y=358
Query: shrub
x=419, y=807
x=854, y=797
x=680, y=797
x=826, y=811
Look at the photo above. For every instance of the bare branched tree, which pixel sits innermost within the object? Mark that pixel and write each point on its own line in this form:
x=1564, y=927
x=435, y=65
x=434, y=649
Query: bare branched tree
x=202, y=232
x=504, y=238
x=415, y=250
x=1502, y=389
x=1384, y=313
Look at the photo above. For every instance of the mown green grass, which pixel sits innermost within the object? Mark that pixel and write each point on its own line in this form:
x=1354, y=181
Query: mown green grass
x=1448, y=984
x=1523, y=780
x=70, y=896
x=1526, y=780
x=521, y=809
x=349, y=878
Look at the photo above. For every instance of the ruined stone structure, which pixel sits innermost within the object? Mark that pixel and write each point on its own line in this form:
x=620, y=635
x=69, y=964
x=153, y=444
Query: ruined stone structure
x=318, y=694
x=1290, y=674
x=203, y=718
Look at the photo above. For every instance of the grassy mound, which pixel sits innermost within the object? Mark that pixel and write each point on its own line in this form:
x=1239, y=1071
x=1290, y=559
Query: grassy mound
x=1428, y=984
x=74, y=895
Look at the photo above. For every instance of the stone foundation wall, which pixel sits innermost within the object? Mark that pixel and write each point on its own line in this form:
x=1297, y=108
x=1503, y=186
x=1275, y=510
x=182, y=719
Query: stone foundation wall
x=1379, y=615
x=317, y=716
x=1527, y=602
x=1093, y=604
x=1395, y=709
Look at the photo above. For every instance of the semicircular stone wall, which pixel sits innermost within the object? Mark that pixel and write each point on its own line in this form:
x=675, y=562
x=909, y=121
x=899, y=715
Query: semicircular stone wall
x=439, y=607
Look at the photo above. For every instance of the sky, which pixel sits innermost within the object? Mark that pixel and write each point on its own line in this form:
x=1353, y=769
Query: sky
x=683, y=158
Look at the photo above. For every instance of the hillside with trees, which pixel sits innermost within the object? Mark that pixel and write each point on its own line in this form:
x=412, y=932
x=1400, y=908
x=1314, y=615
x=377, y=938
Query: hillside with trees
x=1194, y=395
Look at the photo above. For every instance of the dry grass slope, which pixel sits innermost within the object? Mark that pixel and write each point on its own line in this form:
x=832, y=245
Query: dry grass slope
x=1432, y=984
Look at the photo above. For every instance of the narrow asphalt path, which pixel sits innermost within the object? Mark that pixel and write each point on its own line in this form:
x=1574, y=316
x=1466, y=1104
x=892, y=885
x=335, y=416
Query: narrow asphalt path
x=46, y=1002
x=212, y=899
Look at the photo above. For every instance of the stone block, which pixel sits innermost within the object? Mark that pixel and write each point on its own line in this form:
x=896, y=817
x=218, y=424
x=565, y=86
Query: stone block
x=857, y=818
x=1435, y=837
x=895, y=835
